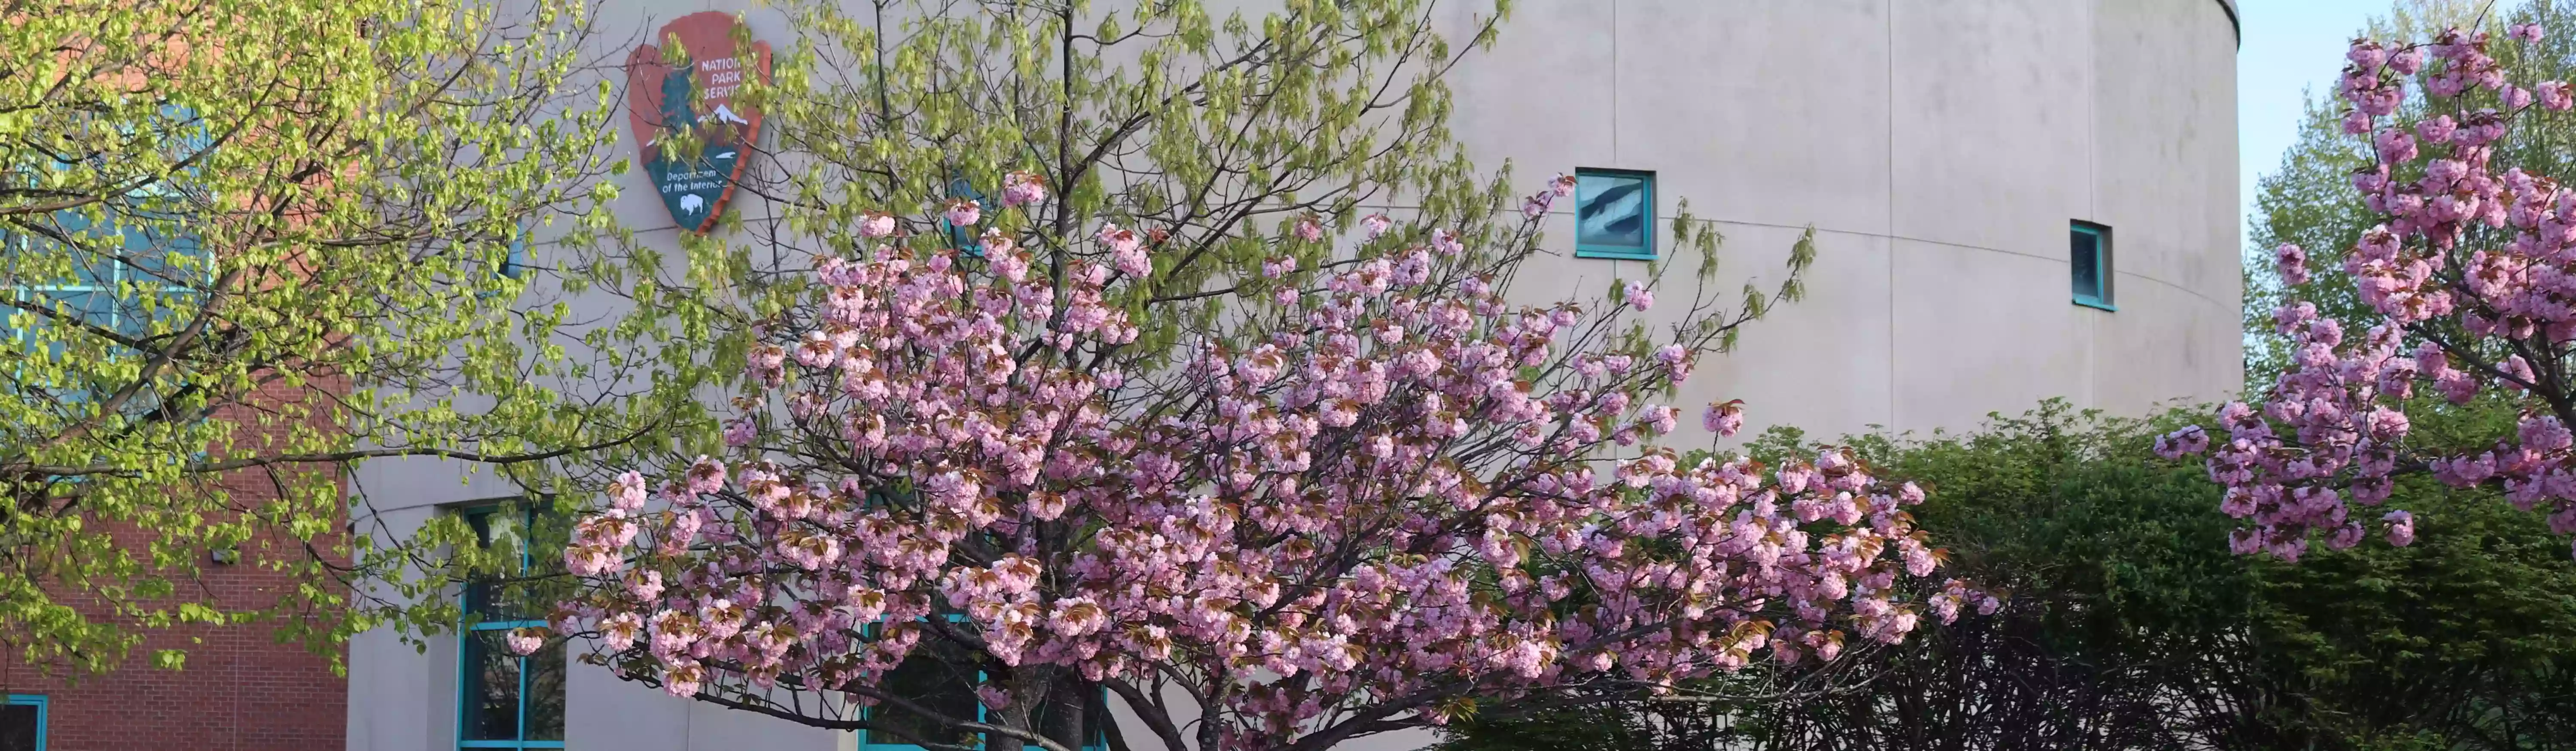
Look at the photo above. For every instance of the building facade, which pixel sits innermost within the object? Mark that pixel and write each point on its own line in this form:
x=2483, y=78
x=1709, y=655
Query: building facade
x=2012, y=200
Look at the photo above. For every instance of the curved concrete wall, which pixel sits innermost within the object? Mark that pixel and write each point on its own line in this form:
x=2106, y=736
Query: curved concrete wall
x=1940, y=150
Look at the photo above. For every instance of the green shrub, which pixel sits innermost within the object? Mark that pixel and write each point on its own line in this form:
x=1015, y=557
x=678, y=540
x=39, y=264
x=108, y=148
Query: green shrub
x=2130, y=626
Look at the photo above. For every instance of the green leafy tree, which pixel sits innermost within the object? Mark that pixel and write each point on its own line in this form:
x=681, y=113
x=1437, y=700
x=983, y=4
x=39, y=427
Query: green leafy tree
x=249, y=243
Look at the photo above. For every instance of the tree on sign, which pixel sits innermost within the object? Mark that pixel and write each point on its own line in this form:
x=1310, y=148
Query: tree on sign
x=2467, y=291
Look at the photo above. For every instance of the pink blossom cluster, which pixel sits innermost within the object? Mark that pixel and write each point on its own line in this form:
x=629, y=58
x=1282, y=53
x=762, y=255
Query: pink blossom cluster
x=1391, y=487
x=1023, y=189
x=2472, y=282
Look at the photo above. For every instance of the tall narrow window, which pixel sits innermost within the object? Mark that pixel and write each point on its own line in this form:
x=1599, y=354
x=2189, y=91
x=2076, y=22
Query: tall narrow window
x=504, y=700
x=1614, y=213
x=22, y=723
x=941, y=676
x=2089, y=255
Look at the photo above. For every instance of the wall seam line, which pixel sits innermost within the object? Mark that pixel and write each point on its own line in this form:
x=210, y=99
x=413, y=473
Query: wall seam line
x=1893, y=426
x=2093, y=200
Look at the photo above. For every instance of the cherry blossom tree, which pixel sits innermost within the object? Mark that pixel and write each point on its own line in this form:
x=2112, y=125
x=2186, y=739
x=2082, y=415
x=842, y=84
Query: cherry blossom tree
x=2470, y=288
x=1372, y=495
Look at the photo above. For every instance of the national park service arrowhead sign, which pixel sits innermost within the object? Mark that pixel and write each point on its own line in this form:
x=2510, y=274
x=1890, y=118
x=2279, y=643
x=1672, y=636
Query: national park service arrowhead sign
x=695, y=97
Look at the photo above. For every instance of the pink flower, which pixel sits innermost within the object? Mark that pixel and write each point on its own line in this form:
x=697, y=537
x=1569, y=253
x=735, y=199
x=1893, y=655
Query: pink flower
x=1639, y=296
x=524, y=641
x=2556, y=96
x=740, y=432
x=875, y=225
x=2243, y=541
x=2366, y=55
x=993, y=696
x=1724, y=418
x=626, y=493
x=1446, y=242
x=2519, y=370
x=2528, y=32
x=2293, y=264
x=963, y=212
x=1022, y=189
x=2406, y=63
x=644, y=585
x=2386, y=425
x=2401, y=528
x=2186, y=441
x=682, y=678
x=706, y=475
x=1673, y=356
x=1375, y=225
x=2395, y=145
x=2436, y=129
x=618, y=632
x=1126, y=250
x=1310, y=227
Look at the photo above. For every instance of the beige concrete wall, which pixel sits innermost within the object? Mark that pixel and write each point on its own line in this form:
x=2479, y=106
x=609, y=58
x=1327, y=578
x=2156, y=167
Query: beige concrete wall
x=1939, y=147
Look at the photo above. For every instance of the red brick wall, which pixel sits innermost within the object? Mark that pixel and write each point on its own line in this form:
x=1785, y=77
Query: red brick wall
x=240, y=689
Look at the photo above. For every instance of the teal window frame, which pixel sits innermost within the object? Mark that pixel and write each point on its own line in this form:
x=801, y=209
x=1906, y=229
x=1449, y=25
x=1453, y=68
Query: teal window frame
x=103, y=303
x=1644, y=252
x=42, y=707
x=107, y=310
x=2100, y=294
x=188, y=134
x=1098, y=740
x=473, y=629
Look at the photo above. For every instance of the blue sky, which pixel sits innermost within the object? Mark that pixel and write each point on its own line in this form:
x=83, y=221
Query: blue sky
x=2289, y=46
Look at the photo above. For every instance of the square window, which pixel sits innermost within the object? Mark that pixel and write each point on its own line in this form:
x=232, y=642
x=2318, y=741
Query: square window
x=2089, y=256
x=1614, y=213
x=22, y=723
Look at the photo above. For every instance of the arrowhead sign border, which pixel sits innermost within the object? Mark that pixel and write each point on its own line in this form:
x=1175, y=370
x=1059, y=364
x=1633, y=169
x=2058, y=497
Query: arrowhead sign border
x=695, y=190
